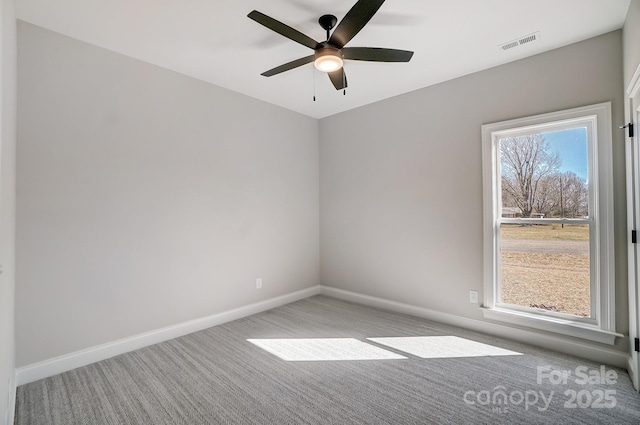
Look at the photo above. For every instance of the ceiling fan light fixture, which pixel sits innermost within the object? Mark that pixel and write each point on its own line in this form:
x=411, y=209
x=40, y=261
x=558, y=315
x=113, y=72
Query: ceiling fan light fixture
x=328, y=60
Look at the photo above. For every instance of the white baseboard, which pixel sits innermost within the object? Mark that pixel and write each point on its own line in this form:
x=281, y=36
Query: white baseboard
x=54, y=366
x=631, y=370
x=44, y=369
x=585, y=350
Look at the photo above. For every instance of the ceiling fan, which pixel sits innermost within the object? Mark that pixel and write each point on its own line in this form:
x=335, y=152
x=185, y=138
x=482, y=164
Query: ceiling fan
x=329, y=55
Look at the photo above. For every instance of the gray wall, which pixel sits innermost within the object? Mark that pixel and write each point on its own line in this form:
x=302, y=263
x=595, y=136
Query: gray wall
x=401, y=180
x=631, y=41
x=7, y=201
x=147, y=198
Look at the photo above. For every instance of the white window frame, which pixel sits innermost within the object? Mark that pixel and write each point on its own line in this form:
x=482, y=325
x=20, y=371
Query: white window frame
x=600, y=327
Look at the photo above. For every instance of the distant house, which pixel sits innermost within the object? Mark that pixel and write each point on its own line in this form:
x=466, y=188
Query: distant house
x=511, y=212
x=515, y=212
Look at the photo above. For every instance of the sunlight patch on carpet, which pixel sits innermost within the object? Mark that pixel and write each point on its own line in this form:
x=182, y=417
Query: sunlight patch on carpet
x=434, y=347
x=323, y=349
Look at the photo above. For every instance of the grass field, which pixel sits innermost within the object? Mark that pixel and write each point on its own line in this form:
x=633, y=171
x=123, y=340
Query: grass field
x=555, y=281
x=570, y=232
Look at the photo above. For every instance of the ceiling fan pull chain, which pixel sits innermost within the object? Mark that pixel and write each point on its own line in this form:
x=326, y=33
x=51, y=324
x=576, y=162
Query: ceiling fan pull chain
x=344, y=84
x=313, y=74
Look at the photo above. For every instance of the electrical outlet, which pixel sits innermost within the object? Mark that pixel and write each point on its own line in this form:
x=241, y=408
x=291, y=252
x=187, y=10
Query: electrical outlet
x=473, y=297
x=259, y=283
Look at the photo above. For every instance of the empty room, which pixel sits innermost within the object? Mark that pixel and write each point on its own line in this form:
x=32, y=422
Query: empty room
x=319, y=212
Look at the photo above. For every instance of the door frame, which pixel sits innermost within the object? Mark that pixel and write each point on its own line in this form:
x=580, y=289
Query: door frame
x=632, y=154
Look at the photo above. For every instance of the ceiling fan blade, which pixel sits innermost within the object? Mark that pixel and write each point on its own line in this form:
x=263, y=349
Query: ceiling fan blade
x=288, y=66
x=354, y=21
x=283, y=29
x=376, y=54
x=338, y=78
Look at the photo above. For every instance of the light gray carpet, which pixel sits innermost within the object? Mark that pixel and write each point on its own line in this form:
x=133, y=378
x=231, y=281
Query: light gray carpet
x=217, y=377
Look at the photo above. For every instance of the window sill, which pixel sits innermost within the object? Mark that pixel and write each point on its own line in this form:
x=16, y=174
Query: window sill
x=550, y=324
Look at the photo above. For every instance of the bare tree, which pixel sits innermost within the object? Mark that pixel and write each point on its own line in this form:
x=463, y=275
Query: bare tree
x=571, y=195
x=546, y=195
x=525, y=162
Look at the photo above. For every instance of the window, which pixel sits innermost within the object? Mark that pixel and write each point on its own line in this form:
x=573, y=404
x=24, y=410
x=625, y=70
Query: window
x=548, y=223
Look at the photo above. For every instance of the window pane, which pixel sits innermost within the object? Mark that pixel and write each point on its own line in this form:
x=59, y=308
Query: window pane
x=544, y=175
x=546, y=266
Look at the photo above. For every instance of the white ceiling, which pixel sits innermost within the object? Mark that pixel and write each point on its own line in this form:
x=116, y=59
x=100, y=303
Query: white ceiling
x=214, y=41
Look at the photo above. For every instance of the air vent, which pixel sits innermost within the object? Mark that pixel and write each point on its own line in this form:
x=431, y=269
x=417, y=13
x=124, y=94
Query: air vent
x=528, y=39
x=520, y=41
x=509, y=45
